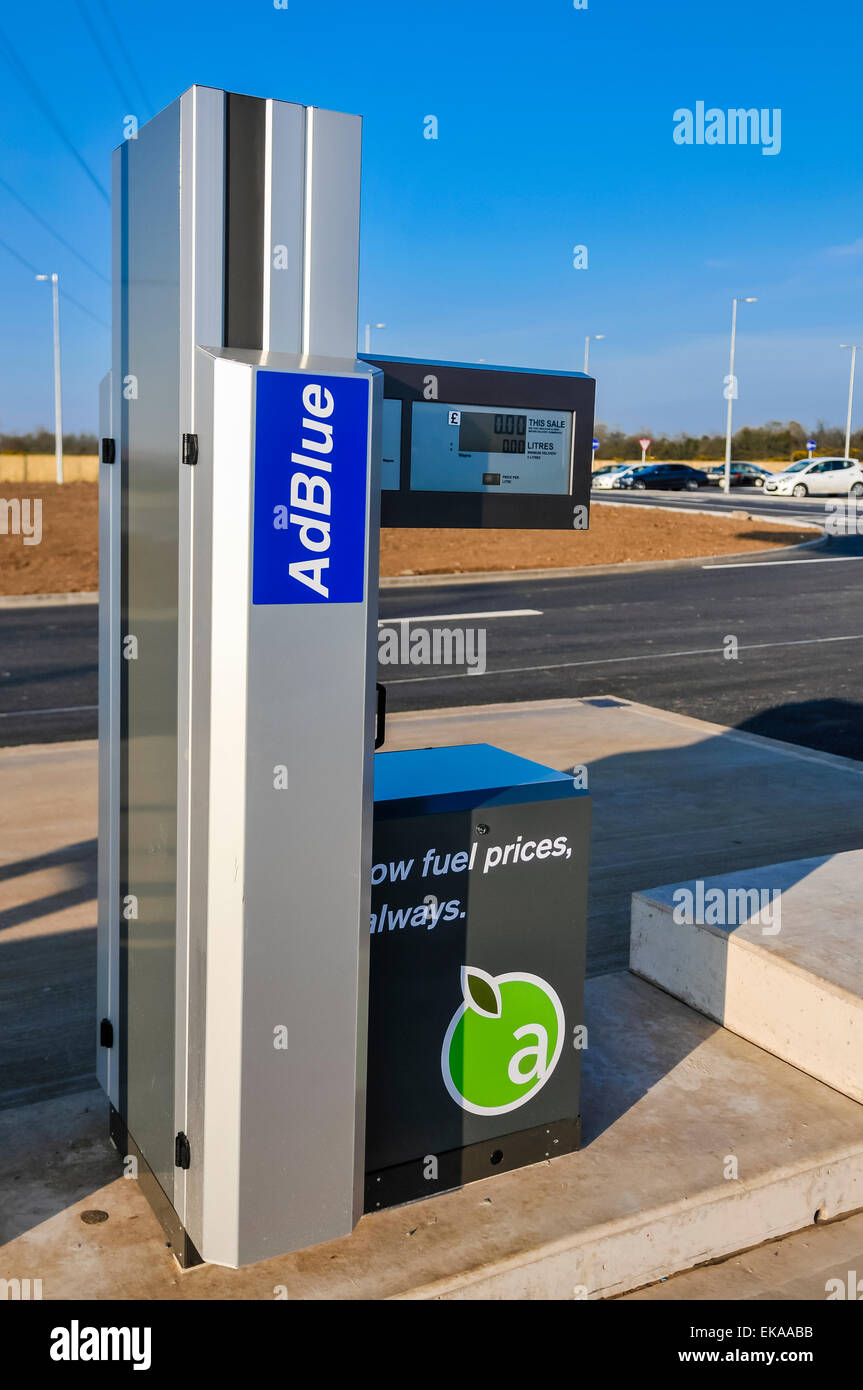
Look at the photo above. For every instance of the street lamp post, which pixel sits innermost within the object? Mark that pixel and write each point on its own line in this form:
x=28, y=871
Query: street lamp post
x=369, y=327
x=853, y=347
x=731, y=388
x=596, y=338
x=58, y=396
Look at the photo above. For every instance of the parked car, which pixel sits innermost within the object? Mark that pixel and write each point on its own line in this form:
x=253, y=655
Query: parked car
x=742, y=475
x=818, y=477
x=604, y=477
x=672, y=476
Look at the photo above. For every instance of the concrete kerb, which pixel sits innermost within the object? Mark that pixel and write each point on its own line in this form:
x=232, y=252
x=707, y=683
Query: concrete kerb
x=48, y=600
x=408, y=581
x=413, y=581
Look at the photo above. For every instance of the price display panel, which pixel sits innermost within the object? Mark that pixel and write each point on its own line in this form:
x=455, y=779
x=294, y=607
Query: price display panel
x=484, y=446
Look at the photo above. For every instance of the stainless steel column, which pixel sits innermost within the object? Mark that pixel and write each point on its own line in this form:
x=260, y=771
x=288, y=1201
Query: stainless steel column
x=236, y=224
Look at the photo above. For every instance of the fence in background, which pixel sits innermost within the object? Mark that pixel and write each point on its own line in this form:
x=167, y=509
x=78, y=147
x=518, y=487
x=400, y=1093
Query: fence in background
x=42, y=468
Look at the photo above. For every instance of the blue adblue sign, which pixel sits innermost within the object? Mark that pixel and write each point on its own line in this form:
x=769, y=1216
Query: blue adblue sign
x=311, y=447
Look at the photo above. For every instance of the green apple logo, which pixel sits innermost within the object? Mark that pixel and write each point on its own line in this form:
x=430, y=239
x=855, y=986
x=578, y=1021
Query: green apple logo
x=503, y=1041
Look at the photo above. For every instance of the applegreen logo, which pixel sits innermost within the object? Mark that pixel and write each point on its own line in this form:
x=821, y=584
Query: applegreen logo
x=503, y=1041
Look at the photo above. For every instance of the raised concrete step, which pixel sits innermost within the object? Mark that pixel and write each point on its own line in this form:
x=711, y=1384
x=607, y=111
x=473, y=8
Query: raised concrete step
x=775, y=954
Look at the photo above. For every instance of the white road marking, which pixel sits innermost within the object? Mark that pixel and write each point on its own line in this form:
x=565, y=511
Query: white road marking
x=615, y=660
x=462, y=617
x=759, y=564
x=66, y=709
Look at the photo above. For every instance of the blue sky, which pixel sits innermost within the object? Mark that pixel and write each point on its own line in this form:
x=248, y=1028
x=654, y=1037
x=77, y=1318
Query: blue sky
x=555, y=129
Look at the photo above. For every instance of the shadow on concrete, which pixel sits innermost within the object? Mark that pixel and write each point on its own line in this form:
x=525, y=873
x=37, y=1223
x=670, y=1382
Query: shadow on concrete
x=818, y=724
x=79, y=862
x=728, y=804
x=84, y=851
x=48, y=1012
x=725, y=803
x=59, y=1157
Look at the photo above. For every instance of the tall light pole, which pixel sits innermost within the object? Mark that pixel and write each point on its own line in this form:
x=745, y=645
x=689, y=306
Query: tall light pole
x=853, y=347
x=369, y=327
x=731, y=387
x=58, y=397
x=596, y=338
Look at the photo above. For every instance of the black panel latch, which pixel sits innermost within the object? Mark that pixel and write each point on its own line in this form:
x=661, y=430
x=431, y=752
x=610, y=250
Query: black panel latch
x=109, y=450
x=380, y=714
x=106, y=1033
x=190, y=448
x=182, y=1151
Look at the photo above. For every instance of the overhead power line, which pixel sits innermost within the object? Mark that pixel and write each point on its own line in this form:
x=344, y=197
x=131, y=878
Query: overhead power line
x=57, y=235
x=28, y=82
x=127, y=101
x=19, y=257
x=118, y=40
x=28, y=265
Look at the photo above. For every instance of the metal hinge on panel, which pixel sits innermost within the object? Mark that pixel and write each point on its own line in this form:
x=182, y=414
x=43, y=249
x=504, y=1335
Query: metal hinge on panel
x=190, y=448
x=182, y=1151
x=106, y=1033
x=109, y=450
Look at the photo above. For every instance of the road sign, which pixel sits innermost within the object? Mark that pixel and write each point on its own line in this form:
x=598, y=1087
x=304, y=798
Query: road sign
x=596, y=443
x=645, y=443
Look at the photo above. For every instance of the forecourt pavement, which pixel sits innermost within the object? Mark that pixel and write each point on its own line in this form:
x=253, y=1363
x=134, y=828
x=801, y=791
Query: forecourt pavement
x=668, y=1094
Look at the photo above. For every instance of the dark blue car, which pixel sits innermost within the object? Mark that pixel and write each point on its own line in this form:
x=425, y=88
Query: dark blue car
x=667, y=476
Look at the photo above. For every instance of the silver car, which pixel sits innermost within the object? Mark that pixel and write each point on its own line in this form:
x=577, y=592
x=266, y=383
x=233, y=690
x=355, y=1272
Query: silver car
x=819, y=477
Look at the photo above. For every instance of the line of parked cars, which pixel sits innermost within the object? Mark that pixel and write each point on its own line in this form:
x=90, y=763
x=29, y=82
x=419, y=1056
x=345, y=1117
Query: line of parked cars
x=742, y=475
x=673, y=476
x=809, y=477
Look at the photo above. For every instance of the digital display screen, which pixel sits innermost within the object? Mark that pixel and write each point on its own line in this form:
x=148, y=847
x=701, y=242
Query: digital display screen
x=497, y=433
x=480, y=448
x=391, y=445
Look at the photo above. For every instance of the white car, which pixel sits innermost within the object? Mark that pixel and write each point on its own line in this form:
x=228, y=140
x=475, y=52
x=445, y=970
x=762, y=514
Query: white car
x=608, y=476
x=818, y=478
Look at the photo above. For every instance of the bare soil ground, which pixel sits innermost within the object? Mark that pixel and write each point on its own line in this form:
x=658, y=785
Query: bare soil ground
x=66, y=559
x=617, y=533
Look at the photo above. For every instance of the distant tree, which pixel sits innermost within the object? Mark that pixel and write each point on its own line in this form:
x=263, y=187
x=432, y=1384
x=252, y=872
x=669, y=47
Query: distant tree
x=777, y=440
x=41, y=441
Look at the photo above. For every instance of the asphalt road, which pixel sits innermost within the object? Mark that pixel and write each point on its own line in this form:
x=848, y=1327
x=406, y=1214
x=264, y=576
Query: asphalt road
x=764, y=644
x=49, y=668
x=661, y=637
x=747, y=499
